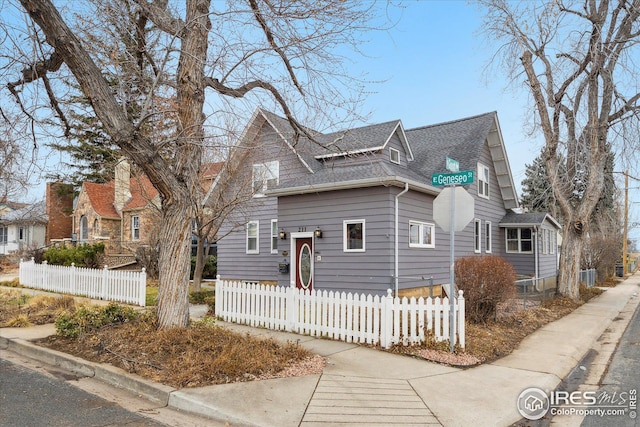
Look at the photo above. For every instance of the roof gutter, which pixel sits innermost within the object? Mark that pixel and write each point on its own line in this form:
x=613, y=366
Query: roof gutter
x=390, y=180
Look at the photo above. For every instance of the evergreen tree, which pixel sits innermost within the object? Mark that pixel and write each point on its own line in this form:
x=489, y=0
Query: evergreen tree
x=537, y=195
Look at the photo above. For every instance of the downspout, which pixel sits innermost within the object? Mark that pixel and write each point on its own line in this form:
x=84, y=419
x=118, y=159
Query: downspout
x=537, y=261
x=395, y=277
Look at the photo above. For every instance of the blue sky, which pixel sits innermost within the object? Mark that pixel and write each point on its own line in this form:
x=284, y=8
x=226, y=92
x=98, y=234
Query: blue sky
x=431, y=69
x=434, y=65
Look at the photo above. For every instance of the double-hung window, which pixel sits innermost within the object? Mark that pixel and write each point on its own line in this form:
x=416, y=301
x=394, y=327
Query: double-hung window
x=253, y=229
x=421, y=235
x=135, y=227
x=4, y=235
x=354, y=235
x=274, y=236
x=265, y=176
x=487, y=237
x=477, y=236
x=483, y=181
x=519, y=240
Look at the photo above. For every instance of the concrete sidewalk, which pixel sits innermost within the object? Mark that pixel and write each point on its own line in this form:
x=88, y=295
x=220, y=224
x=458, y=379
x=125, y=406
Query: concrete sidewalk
x=367, y=386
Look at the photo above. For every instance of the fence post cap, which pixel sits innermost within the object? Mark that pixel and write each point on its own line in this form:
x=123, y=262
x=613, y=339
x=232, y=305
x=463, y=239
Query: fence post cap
x=33, y=259
x=460, y=292
x=73, y=264
x=106, y=266
x=44, y=262
x=144, y=270
x=389, y=292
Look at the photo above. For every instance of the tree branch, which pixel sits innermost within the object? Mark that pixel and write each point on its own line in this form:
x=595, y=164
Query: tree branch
x=272, y=42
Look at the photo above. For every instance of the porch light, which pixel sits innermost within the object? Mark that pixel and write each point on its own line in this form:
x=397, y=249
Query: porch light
x=283, y=235
x=318, y=233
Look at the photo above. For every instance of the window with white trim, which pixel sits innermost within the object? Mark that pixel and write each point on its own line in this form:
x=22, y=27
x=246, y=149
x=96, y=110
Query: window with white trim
x=265, y=176
x=554, y=242
x=421, y=235
x=394, y=155
x=274, y=236
x=21, y=233
x=545, y=241
x=135, y=227
x=477, y=236
x=488, y=244
x=519, y=240
x=4, y=235
x=253, y=228
x=354, y=235
x=483, y=181
x=96, y=227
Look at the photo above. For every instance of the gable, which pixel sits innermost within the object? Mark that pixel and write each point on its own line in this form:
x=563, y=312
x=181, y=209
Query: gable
x=101, y=197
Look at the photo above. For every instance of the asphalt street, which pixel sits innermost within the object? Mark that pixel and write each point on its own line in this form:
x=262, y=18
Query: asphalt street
x=29, y=398
x=621, y=385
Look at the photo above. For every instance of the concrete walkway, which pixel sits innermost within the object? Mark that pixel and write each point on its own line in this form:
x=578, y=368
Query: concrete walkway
x=360, y=385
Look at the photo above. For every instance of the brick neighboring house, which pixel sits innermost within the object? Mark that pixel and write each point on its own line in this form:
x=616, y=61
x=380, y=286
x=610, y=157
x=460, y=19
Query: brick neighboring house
x=59, y=209
x=123, y=214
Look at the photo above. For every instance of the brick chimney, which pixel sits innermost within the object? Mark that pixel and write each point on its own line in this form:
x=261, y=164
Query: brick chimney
x=59, y=210
x=122, y=183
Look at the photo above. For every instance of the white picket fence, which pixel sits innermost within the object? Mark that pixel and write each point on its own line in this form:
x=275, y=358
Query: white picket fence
x=110, y=285
x=338, y=315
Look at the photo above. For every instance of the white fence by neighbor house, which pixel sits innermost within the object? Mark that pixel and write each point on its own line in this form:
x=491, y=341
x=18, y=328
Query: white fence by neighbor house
x=110, y=285
x=338, y=315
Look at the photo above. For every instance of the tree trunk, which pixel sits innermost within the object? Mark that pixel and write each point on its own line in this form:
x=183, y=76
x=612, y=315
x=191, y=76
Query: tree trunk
x=174, y=265
x=569, y=274
x=200, y=262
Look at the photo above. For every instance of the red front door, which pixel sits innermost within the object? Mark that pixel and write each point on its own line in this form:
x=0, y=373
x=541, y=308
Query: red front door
x=304, y=263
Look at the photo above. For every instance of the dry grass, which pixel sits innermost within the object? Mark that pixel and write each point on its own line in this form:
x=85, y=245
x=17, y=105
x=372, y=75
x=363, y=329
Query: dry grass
x=21, y=310
x=495, y=339
x=202, y=354
x=205, y=354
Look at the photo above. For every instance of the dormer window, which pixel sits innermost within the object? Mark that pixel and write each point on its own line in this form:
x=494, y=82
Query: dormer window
x=483, y=181
x=265, y=176
x=394, y=155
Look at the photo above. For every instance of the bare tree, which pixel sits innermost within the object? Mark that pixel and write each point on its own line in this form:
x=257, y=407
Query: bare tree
x=579, y=61
x=254, y=51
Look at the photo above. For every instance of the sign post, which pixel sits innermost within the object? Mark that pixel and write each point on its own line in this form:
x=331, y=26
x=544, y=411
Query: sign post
x=454, y=221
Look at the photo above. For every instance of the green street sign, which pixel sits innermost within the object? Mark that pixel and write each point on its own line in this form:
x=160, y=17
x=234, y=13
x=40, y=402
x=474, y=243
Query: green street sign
x=459, y=178
x=452, y=165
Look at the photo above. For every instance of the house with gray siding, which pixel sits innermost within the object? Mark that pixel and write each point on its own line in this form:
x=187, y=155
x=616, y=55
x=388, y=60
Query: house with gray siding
x=353, y=210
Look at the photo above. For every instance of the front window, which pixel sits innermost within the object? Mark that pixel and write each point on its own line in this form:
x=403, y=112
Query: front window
x=265, y=176
x=421, y=235
x=483, y=181
x=274, y=236
x=487, y=237
x=135, y=228
x=4, y=235
x=519, y=240
x=354, y=236
x=96, y=227
x=252, y=237
x=477, y=236
x=21, y=233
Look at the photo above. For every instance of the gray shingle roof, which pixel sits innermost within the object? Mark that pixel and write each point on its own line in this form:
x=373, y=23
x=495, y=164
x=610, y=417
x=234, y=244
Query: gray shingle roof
x=527, y=218
x=34, y=213
x=461, y=139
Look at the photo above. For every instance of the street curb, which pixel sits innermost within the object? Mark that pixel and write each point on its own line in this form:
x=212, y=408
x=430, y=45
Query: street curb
x=109, y=374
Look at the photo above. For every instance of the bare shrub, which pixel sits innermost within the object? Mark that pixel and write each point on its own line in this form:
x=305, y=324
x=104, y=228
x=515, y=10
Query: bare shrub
x=486, y=282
